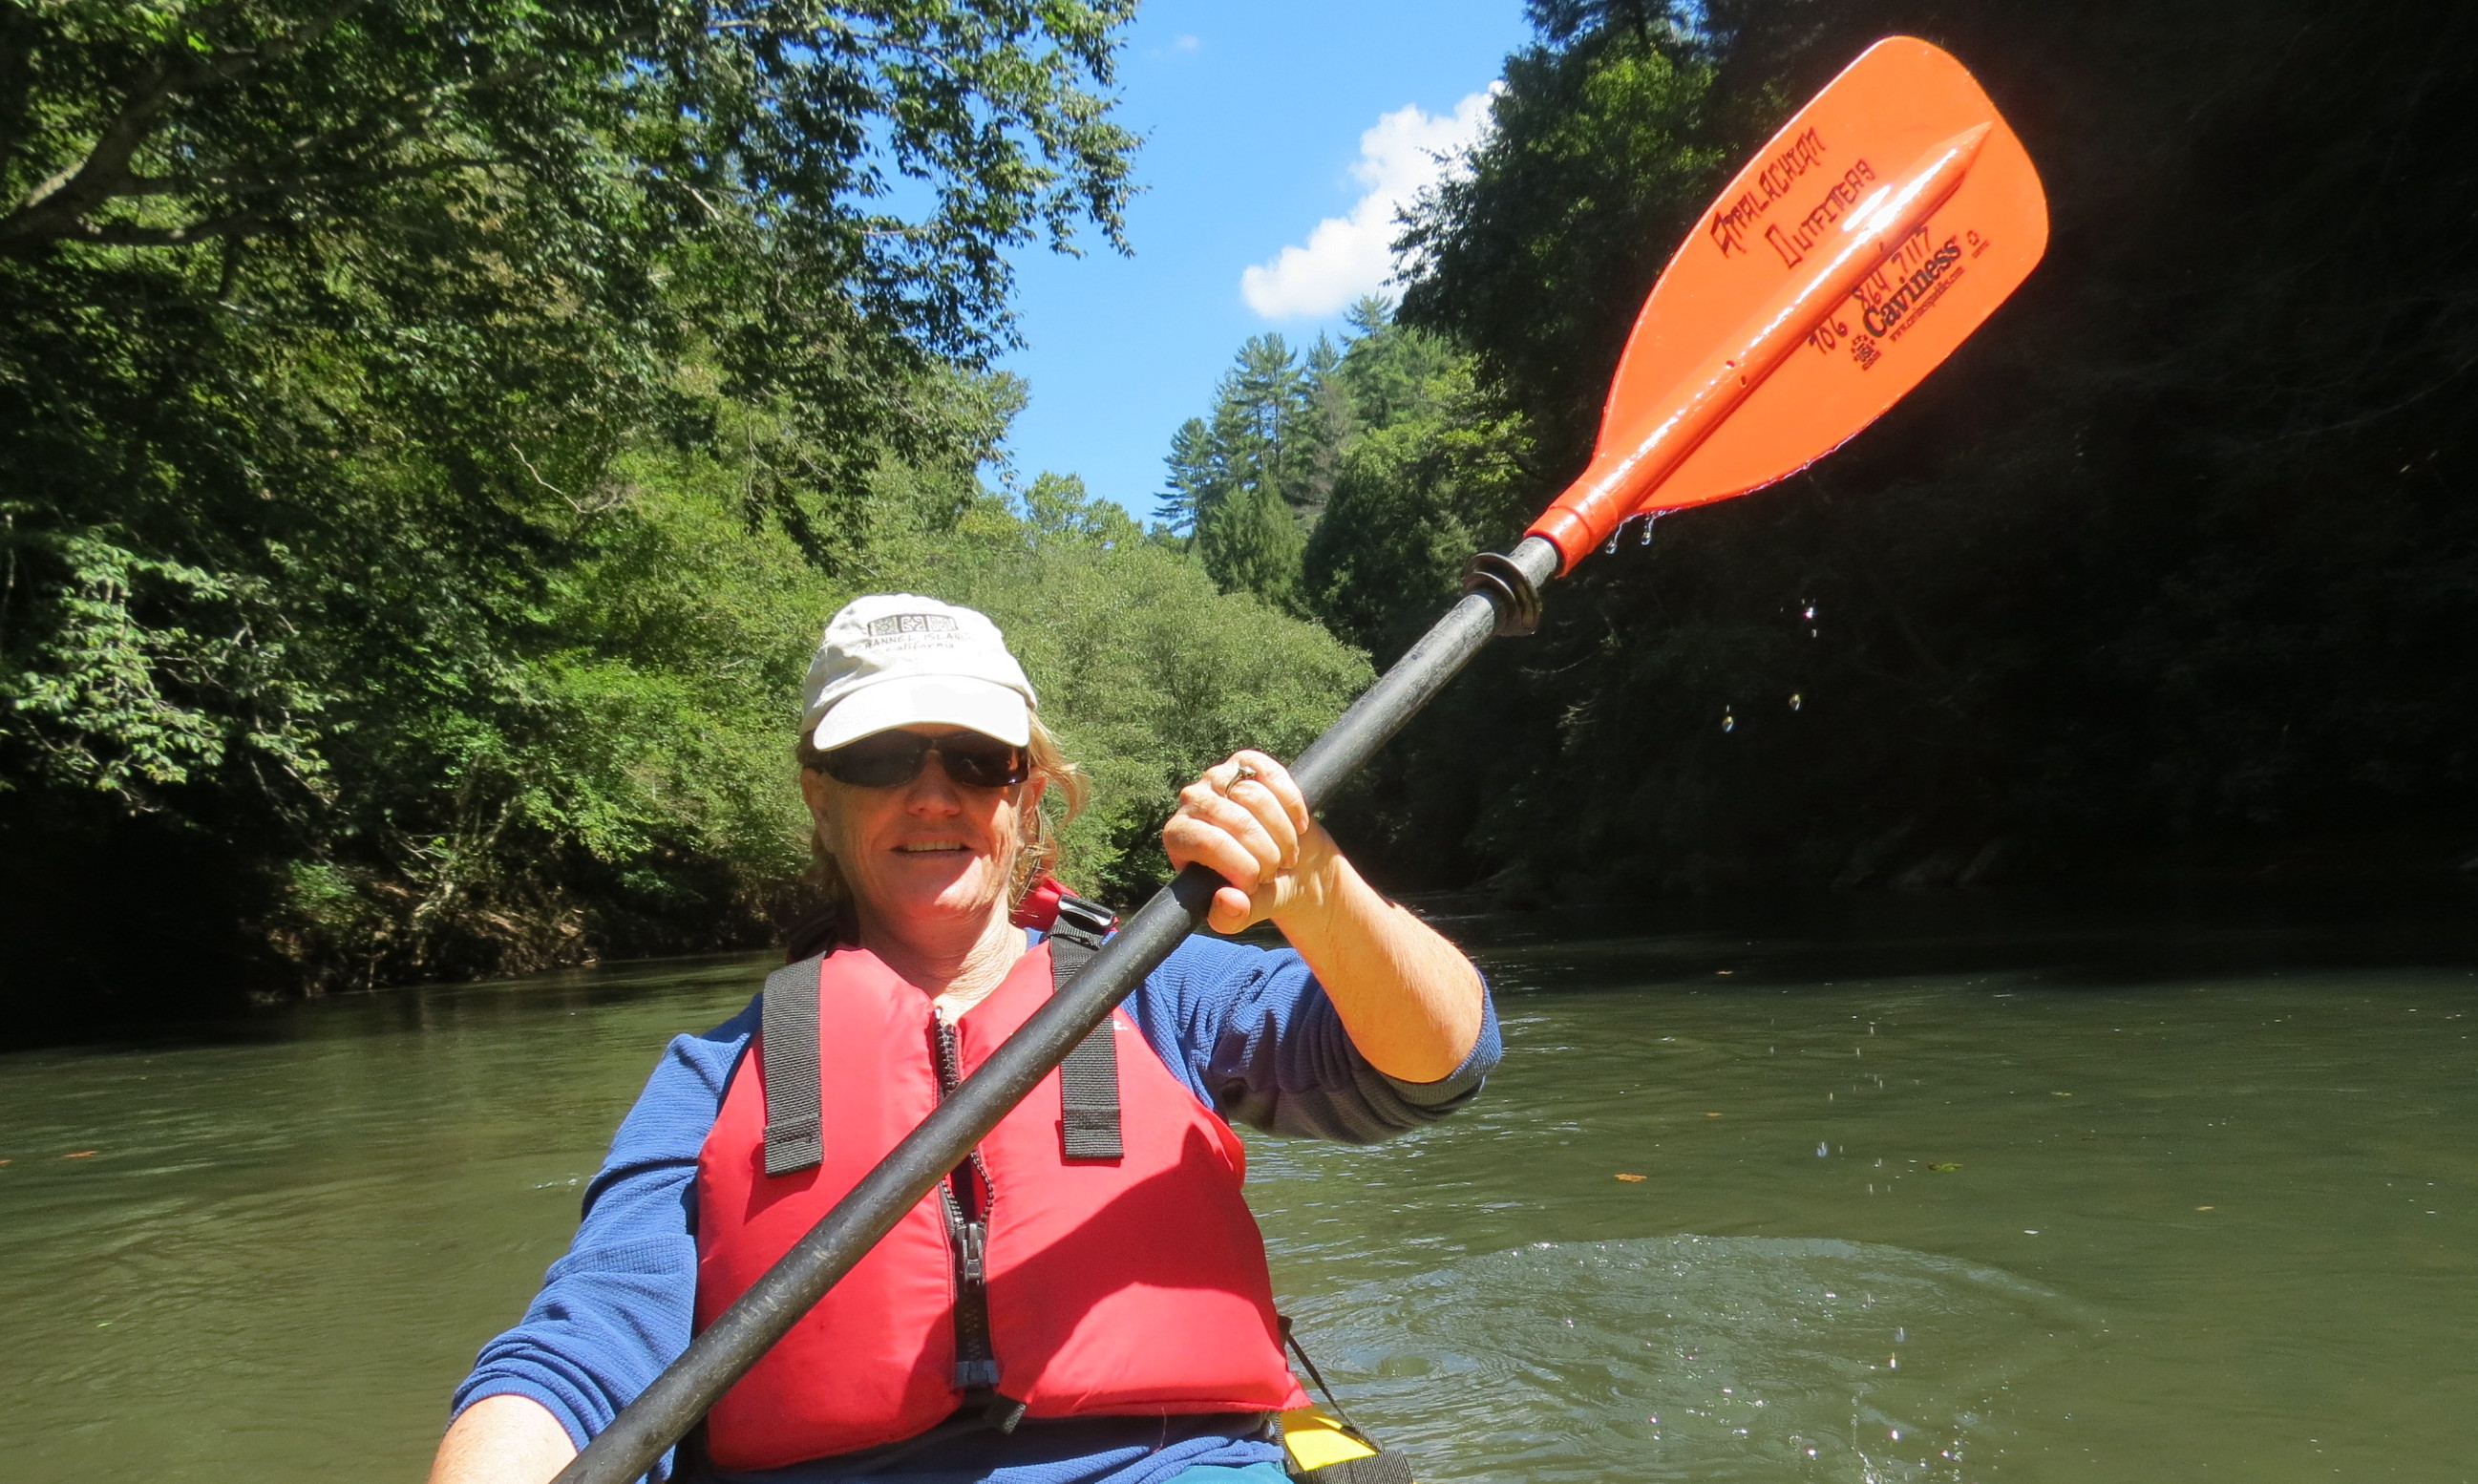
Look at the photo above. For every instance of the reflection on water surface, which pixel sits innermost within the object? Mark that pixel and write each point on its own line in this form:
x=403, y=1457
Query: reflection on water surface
x=2050, y=1196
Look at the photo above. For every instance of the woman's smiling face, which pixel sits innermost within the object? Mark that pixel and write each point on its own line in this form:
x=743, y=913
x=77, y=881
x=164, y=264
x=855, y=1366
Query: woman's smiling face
x=926, y=853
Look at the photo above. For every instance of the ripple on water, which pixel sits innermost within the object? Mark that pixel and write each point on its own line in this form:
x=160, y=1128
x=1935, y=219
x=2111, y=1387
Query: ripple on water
x=1761, y=1358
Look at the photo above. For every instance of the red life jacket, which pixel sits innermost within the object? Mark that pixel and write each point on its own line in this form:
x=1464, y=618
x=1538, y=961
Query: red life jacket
x=1128, y=1285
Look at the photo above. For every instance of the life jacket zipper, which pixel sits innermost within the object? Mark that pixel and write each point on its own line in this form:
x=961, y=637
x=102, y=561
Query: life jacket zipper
x=965, y=1196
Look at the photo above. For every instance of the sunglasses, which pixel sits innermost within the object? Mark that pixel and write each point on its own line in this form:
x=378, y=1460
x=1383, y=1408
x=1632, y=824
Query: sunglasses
x=890, y=760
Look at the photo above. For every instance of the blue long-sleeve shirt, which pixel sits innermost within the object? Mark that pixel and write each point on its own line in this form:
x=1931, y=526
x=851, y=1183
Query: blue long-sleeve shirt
x=1248, y=1030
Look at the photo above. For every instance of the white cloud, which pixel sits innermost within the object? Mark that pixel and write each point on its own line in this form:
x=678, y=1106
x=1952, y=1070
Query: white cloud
x=1348, y=256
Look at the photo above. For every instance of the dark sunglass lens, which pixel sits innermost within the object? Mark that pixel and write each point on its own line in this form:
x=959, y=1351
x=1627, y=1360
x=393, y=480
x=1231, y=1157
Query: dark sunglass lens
x=983, y=764
x=879, y=761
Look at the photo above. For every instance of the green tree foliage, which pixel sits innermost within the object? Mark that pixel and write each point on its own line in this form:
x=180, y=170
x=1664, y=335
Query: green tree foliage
x=1390, y=373
x=1434, y=473
x=339, y=340
x=1415, y=498
x=2176, y=555
x=1255, y=483
x=1535, y=260
x=1250, y=542
x=1271, y=431
x=1327, y=425
x=1561, y=22
x=1247, y=482
x=1196, y=479
x=1260, y=419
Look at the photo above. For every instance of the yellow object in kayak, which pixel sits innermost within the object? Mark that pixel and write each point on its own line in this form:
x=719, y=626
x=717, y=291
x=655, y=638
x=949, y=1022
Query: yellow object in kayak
x=1321, y=1448
x=1325, y=1448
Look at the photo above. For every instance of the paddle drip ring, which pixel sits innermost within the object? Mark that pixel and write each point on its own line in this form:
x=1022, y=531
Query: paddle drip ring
x=1509, y=587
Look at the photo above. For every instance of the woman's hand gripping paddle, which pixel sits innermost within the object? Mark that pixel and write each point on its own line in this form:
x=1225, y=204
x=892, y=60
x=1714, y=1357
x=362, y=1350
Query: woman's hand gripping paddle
x=1850, y=257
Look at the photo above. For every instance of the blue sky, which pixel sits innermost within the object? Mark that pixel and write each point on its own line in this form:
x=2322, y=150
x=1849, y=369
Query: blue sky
x=1253, y=116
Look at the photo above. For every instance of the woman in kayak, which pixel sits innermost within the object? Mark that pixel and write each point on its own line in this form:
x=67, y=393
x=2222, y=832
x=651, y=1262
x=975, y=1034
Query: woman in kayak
x=1085, y=1300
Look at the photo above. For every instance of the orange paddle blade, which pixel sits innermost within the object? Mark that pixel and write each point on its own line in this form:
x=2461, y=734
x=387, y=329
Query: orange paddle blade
x=1860, y=247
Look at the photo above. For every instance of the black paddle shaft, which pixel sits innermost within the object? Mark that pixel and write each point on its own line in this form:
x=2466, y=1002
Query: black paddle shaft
x=1502, y=598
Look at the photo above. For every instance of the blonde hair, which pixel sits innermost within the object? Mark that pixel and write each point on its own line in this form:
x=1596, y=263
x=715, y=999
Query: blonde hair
x=1036, y=836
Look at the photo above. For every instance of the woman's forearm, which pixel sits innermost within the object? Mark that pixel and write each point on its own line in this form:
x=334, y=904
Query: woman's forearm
x=1412, y=1003
x=505, y=1439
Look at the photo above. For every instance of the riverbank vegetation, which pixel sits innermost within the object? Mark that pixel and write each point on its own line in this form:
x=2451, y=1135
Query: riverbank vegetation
x=431, y=434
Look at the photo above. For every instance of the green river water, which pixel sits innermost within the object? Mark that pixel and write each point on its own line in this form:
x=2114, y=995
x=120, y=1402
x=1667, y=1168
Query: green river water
x=1932, y=1192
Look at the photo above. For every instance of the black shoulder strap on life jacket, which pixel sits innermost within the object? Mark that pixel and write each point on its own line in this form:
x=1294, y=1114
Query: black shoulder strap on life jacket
x=795, y=1140
x=1088, y=1080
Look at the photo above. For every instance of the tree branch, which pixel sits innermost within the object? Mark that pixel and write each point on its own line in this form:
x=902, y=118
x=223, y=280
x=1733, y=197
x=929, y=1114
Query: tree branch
x=121, y=234
x=237, y=224
x=241, y=187
x=55, y=209
x=17, y=35
x=60, y=209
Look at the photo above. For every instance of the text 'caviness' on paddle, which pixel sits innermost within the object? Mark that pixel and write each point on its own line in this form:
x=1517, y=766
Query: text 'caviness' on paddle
x=1864, y=241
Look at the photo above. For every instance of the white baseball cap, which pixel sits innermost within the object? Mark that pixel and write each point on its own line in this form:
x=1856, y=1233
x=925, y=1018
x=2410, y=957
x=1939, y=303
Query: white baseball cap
x=894, y=658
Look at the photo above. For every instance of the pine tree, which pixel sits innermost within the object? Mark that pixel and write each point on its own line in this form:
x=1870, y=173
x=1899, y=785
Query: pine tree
x=1229, y=475
x=1252, y=483
x=1198, y=478
x=1259, y=411
x=1391, y=372
x=1251, y=543
x=1329, y=426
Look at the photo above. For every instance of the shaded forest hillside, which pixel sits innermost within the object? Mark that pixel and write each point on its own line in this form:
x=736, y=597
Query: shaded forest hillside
x=2172, y=568
x=432, y=436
